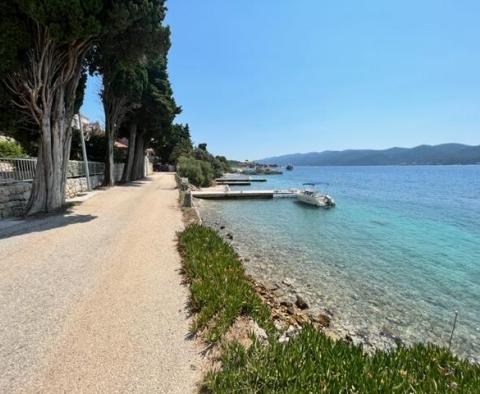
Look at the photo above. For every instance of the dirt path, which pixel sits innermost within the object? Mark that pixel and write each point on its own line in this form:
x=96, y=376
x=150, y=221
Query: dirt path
x=92, y=301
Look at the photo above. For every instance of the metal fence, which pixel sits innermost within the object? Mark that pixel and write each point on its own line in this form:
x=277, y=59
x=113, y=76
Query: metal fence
x=17, y=169
x=24, y=169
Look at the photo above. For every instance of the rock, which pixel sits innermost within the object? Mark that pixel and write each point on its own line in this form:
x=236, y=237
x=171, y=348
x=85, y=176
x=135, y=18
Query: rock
x=278, y=293
x=348, y=338
x=288, y=304
x=283, y=338
x=302, y=319
x=229, y=236
x=222, y=227
x=291, y=331
x=270, y=286
x=301, y=303
x=323, y=320
x=259, y=332
x=287, y=282
x=291, y=310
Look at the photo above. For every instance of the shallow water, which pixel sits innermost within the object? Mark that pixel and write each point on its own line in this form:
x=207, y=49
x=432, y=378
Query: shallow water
x=399, y=253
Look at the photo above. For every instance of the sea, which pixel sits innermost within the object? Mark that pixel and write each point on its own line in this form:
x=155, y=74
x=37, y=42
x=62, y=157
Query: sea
x=397, y=258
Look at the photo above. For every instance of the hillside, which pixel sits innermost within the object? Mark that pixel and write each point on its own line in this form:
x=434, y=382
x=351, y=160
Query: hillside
x=420, y=155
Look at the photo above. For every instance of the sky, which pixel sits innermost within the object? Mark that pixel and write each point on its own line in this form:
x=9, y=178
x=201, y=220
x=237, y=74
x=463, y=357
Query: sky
x=270, y=77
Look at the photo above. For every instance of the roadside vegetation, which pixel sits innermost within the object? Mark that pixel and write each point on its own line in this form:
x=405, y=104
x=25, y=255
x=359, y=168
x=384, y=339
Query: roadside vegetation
x=201, y=167
x=311, y=362
x=11, y=149
x=220, y=290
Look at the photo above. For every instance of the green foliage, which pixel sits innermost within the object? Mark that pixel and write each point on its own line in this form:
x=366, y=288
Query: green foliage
x=201, y=153
x=198, y=172
x=225, y=163
x=96, y=147
x=173, y=143
x=11, y=149
x=220, y=289
x=314, y=363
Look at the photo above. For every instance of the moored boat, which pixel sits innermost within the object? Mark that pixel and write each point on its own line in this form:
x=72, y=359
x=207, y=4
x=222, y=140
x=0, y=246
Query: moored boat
x=313, y=197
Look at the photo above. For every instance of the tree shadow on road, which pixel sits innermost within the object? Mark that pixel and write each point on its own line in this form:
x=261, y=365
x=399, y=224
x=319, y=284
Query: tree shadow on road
x=137, y=183
x=15, y=227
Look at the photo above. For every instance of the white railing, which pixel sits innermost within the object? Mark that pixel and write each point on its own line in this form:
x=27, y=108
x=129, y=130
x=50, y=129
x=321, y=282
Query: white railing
x=14, y=169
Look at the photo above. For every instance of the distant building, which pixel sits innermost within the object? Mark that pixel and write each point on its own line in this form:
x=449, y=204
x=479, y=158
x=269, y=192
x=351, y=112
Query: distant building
x=89, y=128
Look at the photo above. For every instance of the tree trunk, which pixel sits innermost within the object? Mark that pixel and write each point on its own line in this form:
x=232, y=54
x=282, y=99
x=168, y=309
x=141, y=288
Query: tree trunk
x=109, y=179
x=132, y=138
x=45, y=90
x=115, y=107
x=138, y=171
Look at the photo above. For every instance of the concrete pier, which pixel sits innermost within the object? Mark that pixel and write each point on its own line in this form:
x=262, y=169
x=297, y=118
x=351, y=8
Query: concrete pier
x=239, y=194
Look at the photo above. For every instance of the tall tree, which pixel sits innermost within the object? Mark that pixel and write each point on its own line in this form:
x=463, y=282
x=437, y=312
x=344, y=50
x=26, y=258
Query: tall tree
x=43, y=44
x=121, y=59
x=153, y=118
x=42, y=71
x=173, y=143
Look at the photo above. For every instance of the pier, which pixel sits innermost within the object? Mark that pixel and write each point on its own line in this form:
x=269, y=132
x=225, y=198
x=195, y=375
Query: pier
x=234, y=182
x=242, y=194
x=240, y=179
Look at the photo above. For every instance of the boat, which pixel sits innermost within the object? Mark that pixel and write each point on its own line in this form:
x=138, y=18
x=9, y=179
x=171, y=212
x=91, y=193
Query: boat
x=289, y=167
x=313, y=197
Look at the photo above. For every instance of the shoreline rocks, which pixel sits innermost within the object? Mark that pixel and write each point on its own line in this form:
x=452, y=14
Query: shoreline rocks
x=291, y=308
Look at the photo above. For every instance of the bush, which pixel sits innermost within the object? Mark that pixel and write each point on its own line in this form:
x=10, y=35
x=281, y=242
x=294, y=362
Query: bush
x=198, y=172
x=11, y=149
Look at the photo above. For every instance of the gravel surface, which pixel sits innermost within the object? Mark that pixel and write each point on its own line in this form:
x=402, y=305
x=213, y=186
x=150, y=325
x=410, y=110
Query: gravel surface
x=92, y=301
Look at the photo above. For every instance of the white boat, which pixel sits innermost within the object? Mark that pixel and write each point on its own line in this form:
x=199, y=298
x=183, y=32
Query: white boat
x=313, y=197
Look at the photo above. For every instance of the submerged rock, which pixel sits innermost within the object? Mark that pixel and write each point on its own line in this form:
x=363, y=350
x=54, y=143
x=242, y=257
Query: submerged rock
x=322, y=319
x=301, y=303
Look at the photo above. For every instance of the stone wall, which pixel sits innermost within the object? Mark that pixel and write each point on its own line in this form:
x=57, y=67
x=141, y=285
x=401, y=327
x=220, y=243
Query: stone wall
x=13, y=198
x=14, y=195
x=75, y=186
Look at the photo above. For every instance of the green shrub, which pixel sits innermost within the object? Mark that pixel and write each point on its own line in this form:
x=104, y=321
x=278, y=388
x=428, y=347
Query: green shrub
x=11, y=149
x=198, y=172
x=220, y=289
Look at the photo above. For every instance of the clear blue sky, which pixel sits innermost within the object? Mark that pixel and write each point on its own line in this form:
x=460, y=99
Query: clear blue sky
x=260, y=78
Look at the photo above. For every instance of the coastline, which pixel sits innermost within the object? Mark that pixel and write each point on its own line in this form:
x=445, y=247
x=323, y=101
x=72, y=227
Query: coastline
x=258, y=343
x=282, y=293
x=351, y=321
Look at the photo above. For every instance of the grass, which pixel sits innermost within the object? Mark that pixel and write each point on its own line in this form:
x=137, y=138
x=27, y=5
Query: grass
x=311, y=362
x=220, y=290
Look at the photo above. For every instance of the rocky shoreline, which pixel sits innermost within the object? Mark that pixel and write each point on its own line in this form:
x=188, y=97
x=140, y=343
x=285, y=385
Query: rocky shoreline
x=292, y=308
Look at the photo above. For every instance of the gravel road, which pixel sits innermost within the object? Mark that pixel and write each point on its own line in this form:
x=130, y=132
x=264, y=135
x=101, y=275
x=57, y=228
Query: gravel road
x=92, y=301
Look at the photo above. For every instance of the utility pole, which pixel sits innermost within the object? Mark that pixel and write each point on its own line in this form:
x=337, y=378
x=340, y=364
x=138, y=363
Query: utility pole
x=84, y=152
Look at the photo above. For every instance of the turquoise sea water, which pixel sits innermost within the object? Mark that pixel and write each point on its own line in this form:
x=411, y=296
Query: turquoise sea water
x=399, y=254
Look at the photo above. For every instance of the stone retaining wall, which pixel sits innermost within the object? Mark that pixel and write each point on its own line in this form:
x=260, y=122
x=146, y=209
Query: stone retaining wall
x=14, y=195
x=13, y=198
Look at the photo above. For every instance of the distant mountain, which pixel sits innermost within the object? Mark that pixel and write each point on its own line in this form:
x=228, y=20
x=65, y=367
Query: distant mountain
x=420, y=155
